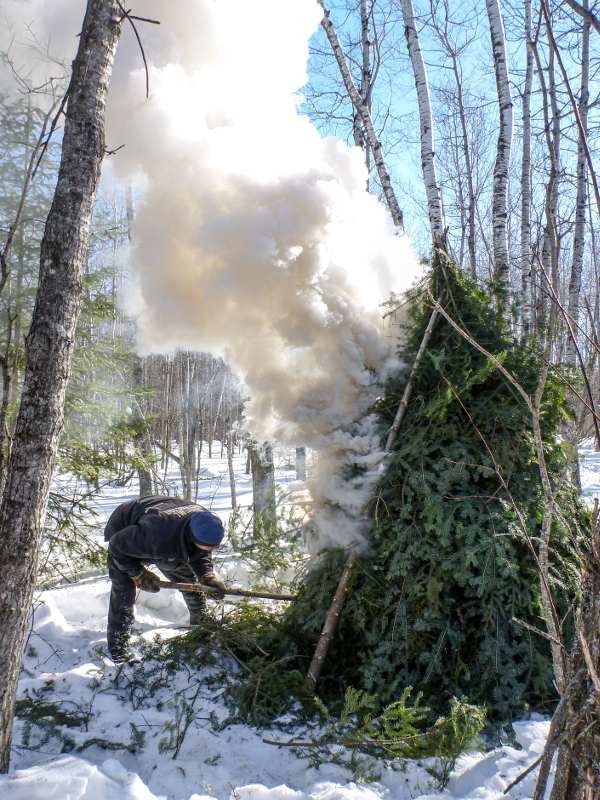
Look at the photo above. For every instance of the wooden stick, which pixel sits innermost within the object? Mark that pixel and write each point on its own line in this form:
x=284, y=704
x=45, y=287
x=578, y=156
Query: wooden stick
x=350, y=742
x=316, y=665
x=407, y=392
x=312, y=676
x=198, y=587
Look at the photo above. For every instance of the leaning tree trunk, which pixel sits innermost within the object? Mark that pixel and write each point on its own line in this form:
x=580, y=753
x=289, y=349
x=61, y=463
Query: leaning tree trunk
x=503, y=154
x=581, y=202
x=526, y=254
x=50, y=345
x=365, y=117
x=432, y=186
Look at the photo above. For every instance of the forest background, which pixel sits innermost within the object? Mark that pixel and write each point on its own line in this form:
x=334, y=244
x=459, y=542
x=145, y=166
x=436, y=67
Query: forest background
x=548, y=223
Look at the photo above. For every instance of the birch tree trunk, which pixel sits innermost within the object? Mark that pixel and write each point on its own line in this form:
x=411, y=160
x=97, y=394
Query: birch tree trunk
x=526, y=255
x=581, y=201
x=504, y=150
x=365, y=117
x=364, y=89
x=432, y=186
x=50, y=345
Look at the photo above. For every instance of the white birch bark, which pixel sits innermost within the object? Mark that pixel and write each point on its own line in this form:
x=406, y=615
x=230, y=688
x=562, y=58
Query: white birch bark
x=526, y=254
x=364, y=88
x=432, y=186
x=504, y=150
x=365, y=117
x=581, y=201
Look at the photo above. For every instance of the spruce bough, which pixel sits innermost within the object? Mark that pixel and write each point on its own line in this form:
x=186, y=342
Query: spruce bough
x=431, y=605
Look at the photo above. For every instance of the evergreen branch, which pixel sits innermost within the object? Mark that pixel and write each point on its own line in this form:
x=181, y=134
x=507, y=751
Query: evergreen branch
x=408, y=390
x=39, y=147
x=517, y=510
x=482, y=350
x=541, y=559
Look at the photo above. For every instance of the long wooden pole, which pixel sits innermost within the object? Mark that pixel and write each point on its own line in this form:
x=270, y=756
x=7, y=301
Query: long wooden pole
x=331, y=621
x=198, y=587
x=327, y=634
x=408, y=390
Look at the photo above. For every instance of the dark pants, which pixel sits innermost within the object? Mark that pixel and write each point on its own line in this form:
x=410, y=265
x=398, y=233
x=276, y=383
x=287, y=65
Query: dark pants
x=122, y=600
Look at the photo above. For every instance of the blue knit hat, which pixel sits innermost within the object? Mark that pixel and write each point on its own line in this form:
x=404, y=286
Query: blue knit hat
x=207, y=529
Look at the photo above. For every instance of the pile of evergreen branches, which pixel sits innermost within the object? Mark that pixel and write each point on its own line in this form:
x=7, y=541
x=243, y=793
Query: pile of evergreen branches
x=431, y=605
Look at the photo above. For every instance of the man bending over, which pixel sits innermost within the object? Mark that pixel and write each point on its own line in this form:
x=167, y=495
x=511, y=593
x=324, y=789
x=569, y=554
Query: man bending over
x=176, y=536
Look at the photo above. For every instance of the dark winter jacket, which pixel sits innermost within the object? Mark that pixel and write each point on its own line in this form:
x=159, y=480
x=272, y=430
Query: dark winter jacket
x=155, y=530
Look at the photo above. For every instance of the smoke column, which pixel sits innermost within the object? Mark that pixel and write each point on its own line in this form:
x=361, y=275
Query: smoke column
x=255, y=238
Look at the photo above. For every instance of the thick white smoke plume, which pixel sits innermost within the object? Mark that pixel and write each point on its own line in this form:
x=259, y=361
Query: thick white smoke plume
x=255, y=237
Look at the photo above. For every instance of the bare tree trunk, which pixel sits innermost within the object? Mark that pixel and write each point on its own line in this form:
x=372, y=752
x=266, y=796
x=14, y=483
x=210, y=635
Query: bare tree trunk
x=505, y=138
x=553, y=134
x=432, y=186
x=300, y=463
x=551, y=243
x=50, y=345
x=468, y=167
x=453, y=53
x=263, y=484
x=230, y=468
x=526, y=254
x=365, y=117
x=364, y=89
x=581, y=202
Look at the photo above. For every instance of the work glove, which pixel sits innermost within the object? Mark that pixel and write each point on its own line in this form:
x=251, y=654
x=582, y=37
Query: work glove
x=147, y=581
x=217, y=589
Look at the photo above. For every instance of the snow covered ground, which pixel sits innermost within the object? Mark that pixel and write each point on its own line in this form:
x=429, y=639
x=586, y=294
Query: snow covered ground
x=65, y=663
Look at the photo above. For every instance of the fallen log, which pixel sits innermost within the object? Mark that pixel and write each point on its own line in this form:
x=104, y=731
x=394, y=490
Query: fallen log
x=198, y=587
